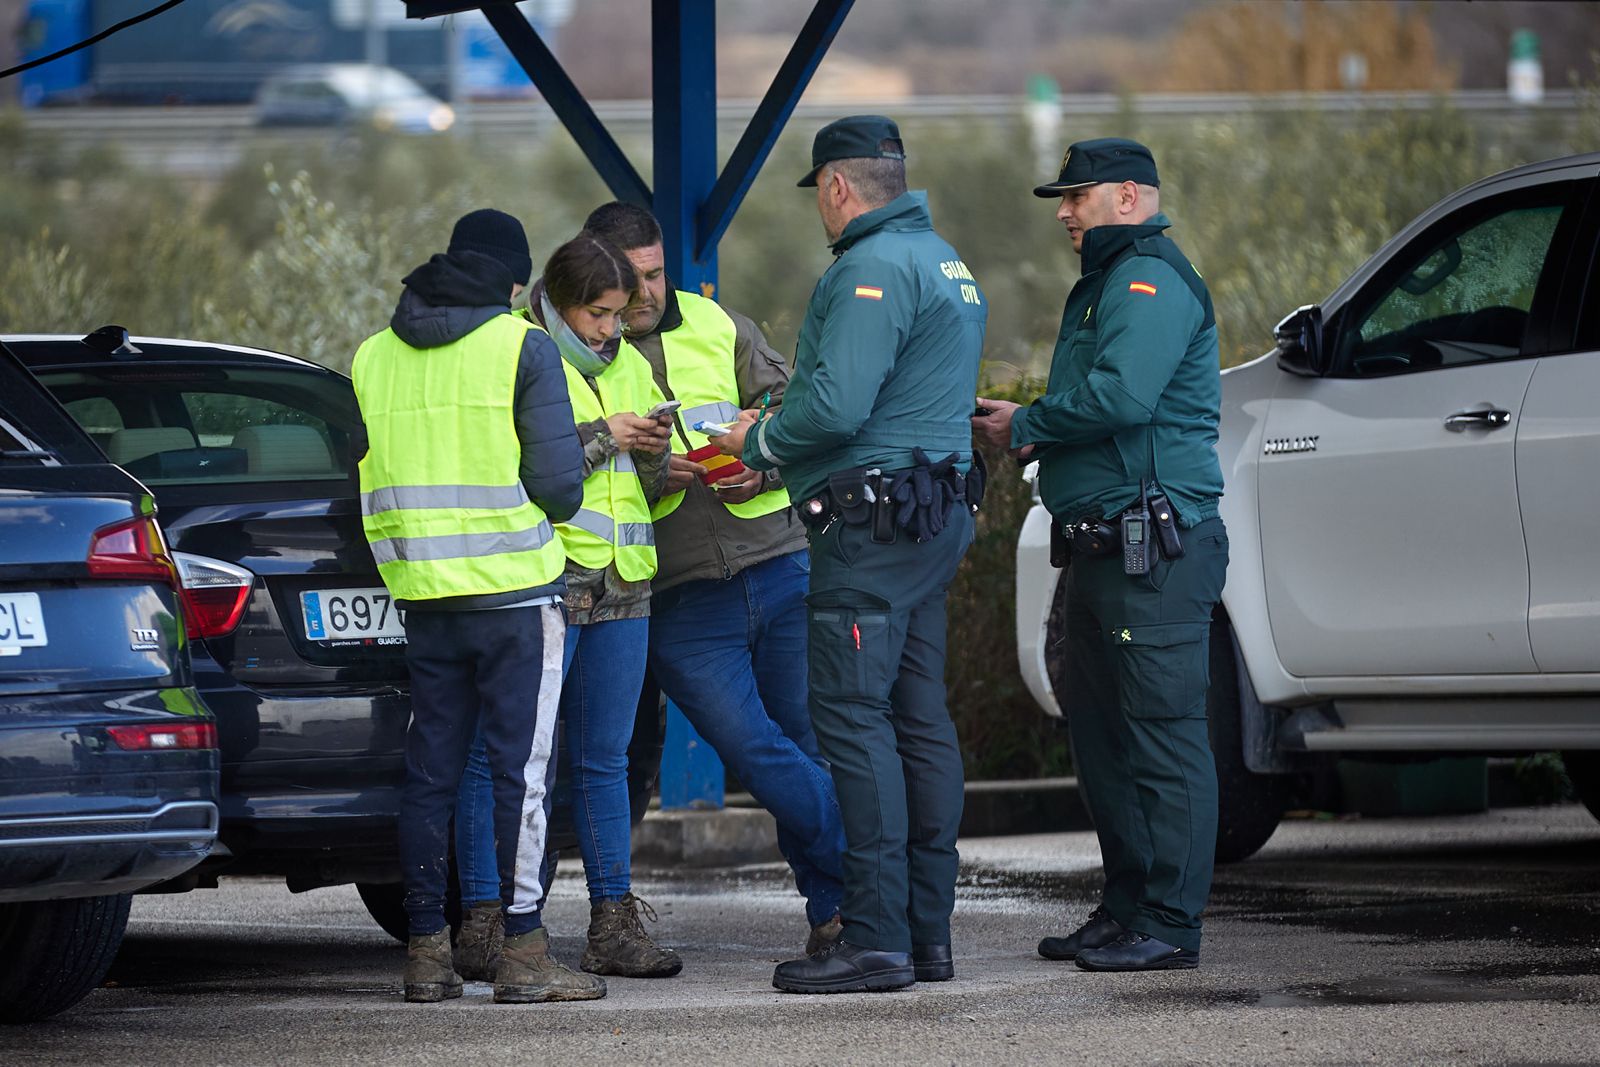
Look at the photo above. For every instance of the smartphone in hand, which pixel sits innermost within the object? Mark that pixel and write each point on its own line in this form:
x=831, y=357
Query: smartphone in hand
x=666, y=407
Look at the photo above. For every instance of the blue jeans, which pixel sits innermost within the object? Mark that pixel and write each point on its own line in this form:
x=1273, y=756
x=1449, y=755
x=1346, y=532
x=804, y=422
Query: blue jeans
x=732, y=655
x=599, y=701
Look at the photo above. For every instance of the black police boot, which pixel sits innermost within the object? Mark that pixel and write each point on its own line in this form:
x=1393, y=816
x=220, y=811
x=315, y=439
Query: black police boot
x=1101, y=929
x=846, y=968
x=1138, y=952
x=932, y=963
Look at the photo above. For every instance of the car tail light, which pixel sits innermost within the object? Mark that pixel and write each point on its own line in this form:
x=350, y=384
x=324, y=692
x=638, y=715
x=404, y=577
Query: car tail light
x=215, y=594
x=163, y=737
x=131, y=549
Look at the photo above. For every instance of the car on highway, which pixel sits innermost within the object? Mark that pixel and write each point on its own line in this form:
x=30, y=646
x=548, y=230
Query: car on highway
x=297, y=646
x=108, y=756
x=1412, y=502
x=349, y=94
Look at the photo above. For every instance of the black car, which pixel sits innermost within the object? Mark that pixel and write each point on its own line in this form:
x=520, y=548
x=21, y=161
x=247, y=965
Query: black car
x=108, y=756
x=298, y=647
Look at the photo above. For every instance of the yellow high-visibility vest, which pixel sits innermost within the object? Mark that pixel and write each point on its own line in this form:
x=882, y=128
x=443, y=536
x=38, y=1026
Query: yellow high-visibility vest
x=614, y=521
x=700, y=373
x=441, y=501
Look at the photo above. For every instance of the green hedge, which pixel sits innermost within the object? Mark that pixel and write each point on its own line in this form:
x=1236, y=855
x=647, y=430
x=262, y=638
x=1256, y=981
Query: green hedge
x=1004, y=733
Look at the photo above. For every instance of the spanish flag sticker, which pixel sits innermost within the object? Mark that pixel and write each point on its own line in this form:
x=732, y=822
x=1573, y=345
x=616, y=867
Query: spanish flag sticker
x=1142, y=287
x=869, y=292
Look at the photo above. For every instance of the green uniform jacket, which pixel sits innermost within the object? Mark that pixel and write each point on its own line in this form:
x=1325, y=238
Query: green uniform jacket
x=1136, y=363
x=887, y=358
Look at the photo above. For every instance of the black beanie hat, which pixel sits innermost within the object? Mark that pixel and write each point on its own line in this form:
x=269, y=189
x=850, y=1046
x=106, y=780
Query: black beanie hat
x=497, y=235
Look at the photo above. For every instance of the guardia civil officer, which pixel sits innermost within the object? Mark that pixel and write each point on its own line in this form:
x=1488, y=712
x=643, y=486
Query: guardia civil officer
x=874, y=443
x=1126, y=438
x=470, y=456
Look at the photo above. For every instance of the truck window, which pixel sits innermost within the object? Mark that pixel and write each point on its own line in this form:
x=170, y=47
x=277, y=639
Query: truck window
x=1461, y=296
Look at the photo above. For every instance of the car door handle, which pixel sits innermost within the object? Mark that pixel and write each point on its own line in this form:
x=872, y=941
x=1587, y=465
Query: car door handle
x=1492, y=419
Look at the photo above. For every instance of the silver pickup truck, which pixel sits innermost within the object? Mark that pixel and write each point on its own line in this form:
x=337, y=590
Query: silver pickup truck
x=1413, y=503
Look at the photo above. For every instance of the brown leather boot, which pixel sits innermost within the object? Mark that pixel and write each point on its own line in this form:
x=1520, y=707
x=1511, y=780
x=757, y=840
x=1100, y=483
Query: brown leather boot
x=619, y=945
x=429, y=976
x=824, y=934
x=483, y=932
x=525, y=974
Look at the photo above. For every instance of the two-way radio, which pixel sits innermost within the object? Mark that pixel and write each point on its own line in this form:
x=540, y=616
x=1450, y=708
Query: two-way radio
x=1136, y=557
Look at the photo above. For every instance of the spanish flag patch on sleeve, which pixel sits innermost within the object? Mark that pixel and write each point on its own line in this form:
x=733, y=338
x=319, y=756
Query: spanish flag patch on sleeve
x=869, y=292
x=1142, y=287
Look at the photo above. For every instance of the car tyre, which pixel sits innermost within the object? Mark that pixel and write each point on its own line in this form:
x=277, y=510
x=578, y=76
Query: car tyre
x=1583, y=768
x=56, y=952
x=1249, y=805
x=386, y=903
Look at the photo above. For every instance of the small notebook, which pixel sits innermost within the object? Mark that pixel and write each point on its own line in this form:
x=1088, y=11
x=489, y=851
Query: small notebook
x=718, y=466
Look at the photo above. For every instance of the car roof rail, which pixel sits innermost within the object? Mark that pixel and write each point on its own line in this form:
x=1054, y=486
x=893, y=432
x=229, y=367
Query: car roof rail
x=112, y=340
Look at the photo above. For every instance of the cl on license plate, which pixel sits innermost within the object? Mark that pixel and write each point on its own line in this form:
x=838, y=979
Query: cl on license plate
x=352, y=615
x=21, y=623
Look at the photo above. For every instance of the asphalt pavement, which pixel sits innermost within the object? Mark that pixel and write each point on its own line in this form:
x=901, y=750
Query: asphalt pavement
x=1447, y=940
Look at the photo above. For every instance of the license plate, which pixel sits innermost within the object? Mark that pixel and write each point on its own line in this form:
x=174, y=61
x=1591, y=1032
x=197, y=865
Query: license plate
x=21, y=623
x=351, y=614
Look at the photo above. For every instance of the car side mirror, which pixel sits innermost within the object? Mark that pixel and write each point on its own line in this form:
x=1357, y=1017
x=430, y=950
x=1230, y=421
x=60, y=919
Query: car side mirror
x=1299, y=338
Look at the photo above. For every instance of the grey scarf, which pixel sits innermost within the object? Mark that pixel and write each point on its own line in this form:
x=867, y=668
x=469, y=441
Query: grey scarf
x=585, y=360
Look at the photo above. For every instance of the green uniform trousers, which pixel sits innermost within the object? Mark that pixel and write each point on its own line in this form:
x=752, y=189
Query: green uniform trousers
x=877, y=646
x=1136, y=678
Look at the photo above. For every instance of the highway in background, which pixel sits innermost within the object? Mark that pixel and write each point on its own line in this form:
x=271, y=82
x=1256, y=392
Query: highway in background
x=203, y=142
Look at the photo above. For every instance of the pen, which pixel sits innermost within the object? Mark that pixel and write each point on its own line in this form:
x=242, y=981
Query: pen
x=765, y=400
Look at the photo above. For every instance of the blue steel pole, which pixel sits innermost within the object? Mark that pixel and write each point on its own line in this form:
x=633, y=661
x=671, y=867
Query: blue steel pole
x=685, y=89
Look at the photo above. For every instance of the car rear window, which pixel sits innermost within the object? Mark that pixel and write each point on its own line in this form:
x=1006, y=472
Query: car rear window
x=194, y=424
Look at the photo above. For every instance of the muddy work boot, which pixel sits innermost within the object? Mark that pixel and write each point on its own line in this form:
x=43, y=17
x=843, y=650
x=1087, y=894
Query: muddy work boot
x=824, y=935
x=483, y=931
x=429, y=976
x=618, y=944
x=525, y=974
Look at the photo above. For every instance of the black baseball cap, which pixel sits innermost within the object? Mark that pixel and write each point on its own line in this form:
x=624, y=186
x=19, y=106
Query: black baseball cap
x=1105, y=159
x=854, y=137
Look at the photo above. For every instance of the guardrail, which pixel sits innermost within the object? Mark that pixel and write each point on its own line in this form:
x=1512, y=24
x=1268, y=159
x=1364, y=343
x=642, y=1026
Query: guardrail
x=172, y=120
x=208, y=139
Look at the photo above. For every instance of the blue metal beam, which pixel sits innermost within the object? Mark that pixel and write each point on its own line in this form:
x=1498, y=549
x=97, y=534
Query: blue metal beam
x=767, y=123
x=684, y=84
x=568, y=103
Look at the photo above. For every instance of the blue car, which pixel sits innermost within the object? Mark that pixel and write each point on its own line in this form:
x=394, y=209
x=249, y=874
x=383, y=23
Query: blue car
x=108, y=755
x=297, y=646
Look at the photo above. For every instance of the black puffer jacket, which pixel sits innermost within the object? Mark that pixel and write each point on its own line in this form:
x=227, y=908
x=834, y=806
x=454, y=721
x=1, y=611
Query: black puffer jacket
x=446, y=299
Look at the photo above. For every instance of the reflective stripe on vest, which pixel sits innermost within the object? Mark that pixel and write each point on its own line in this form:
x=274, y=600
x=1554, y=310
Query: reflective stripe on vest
x=614, y=521
x=700, y=372
x=442, y=496
x=442, y=504
x=450, y=546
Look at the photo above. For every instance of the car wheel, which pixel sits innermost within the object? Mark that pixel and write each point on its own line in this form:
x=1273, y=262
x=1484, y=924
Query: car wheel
x=1249, y=805
x=1584, y=770
x=56, y=952
x=386, y=903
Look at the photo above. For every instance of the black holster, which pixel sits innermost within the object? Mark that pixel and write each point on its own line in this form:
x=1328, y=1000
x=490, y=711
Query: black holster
x=848, y=490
